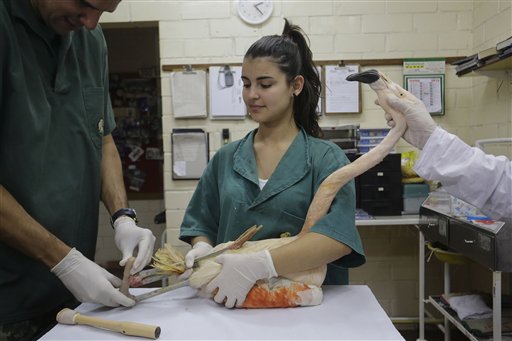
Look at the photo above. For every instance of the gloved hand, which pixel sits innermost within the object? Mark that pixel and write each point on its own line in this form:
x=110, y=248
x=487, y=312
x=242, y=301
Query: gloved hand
x=89, y=282
x=128, y=236
x=420, y=124
x=199, y=249
x=238, y=275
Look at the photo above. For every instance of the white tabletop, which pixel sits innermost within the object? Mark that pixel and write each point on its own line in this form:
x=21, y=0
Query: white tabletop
x=348, y=312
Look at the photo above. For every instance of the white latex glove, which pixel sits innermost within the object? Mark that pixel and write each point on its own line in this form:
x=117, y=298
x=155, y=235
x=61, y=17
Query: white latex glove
x=420, y=124
x=238, y=275
x=89, y=282
x=128, y=236
x=199, y=249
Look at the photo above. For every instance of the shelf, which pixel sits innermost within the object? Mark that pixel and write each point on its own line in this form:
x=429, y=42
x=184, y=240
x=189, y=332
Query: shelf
x=502, y=64
x=440, y=306
x=361, y=62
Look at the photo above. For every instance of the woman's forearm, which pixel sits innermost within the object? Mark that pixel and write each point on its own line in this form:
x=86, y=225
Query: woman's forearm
x=309, y=251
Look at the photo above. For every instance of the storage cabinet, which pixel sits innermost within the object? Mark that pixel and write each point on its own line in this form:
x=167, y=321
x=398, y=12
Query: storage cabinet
x=380, y=188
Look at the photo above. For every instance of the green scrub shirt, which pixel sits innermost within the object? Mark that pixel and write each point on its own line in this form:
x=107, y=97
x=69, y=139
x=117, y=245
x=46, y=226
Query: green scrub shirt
x=54, y=112
x=228, y=199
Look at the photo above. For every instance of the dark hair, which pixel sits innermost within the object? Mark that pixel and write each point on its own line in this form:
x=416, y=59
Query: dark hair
x=291, y=53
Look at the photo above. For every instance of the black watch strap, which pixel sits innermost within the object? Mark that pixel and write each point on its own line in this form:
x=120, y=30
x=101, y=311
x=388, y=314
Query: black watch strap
x=129, y=212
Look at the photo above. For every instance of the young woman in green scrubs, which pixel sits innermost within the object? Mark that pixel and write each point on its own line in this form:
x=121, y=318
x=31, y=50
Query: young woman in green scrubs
x=270, y=177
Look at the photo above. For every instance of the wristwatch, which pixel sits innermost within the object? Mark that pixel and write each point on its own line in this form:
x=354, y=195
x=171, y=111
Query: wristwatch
x=129, y=212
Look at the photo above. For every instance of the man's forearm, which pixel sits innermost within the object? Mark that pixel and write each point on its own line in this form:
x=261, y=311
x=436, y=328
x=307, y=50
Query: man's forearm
x=113, y=192
x=22, y=232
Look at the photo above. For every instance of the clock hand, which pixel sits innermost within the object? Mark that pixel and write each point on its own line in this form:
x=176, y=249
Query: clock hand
x=256, y=6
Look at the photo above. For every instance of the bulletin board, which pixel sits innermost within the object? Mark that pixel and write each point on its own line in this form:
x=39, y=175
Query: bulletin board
x=424, y=78
x=429, y=89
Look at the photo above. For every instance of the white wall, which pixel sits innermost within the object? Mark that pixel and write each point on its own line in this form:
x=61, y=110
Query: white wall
x=209, y=32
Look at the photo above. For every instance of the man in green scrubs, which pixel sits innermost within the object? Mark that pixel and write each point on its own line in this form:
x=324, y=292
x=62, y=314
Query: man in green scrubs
x=57, y=161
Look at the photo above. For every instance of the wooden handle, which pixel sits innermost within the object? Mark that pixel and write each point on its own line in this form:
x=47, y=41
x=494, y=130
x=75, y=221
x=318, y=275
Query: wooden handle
x=127, y=328
x=125, y=285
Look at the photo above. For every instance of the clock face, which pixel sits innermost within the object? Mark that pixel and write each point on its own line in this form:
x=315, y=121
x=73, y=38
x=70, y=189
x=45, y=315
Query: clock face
x=254, y=11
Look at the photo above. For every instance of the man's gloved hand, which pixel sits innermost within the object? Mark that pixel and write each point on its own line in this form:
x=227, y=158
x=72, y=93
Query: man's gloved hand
x=128, y=236
x=89, y=282
x=420, y=124
x=238, y=275
x=199, y=249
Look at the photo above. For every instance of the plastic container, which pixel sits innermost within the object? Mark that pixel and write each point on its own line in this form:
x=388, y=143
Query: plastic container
x=378, y=132
x=370, y=140
x=414, y=195
x=439, y=201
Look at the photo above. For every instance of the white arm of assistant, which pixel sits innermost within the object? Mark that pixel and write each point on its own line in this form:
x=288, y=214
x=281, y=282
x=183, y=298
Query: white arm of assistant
x=482, y=180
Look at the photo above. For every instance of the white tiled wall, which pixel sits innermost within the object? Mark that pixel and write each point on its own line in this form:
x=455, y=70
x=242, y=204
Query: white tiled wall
x=477, y=106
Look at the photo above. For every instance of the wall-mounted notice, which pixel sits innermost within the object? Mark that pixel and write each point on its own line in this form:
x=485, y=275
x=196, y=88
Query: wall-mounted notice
x=188, y=91
x=225, y=85
x=189, y=153
x=341, y=96
x=424, y=78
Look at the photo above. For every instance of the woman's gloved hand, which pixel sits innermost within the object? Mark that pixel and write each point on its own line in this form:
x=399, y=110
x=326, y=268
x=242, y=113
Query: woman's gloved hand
x=89, y=282
x=420, y=124
x=199, y=249
x=238, y=275
x=129, y=236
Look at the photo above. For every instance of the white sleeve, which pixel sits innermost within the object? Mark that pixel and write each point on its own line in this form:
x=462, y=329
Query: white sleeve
x=484, y=181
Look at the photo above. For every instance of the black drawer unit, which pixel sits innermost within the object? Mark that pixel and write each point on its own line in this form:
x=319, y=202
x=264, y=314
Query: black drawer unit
x=380, y=188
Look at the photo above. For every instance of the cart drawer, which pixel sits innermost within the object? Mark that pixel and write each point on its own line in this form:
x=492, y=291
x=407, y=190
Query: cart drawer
x=435, y=228
x=475, y=244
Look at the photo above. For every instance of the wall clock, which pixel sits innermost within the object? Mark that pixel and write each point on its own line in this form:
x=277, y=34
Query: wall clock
x=255, y=12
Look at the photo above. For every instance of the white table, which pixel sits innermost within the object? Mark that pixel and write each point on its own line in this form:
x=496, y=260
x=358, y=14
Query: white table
x=348, y=312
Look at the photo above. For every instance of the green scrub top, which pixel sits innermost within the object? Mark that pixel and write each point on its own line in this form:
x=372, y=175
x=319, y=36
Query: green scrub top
x=54, y=112
x=228, y=199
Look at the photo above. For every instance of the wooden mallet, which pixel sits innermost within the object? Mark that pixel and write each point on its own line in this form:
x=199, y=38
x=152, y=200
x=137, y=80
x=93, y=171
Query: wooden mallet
x=69, y=316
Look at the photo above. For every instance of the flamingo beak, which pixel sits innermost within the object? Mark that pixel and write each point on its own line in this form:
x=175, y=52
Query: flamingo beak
x=366, y=77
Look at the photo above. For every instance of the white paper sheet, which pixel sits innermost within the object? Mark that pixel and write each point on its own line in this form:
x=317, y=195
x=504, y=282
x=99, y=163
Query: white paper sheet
x=189, y=153
x=341, y=96
x=188, y=91
x=226, y=98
